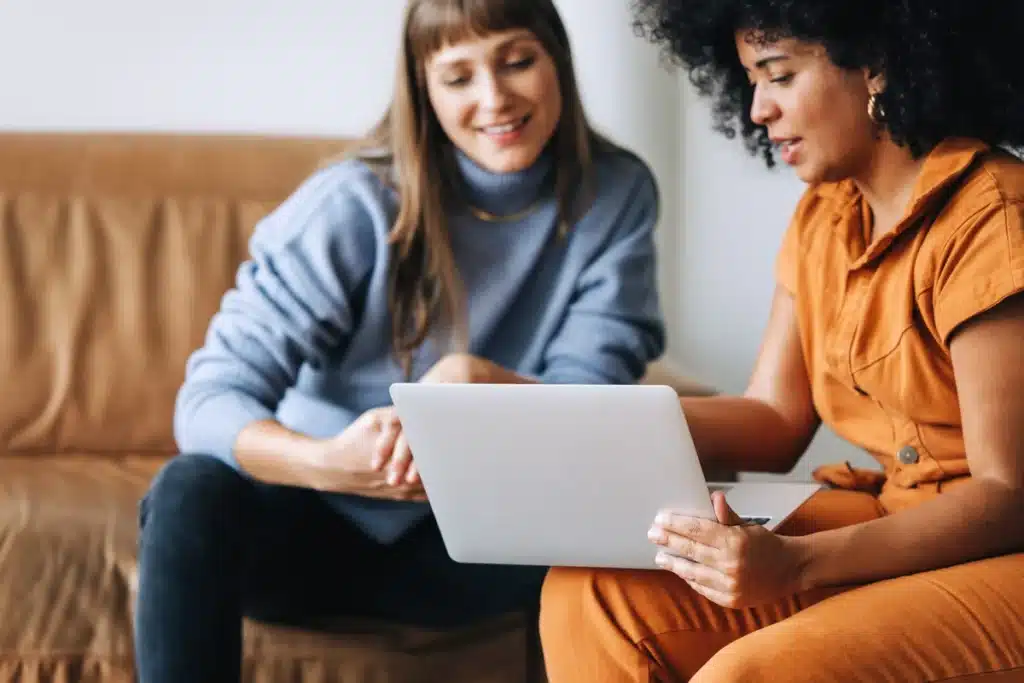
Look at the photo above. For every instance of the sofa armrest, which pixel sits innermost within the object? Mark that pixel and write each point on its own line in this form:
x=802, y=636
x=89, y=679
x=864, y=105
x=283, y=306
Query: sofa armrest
x=663, y=371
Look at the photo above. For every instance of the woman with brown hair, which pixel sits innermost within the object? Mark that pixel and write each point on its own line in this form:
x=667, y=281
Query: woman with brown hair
x=482, y=233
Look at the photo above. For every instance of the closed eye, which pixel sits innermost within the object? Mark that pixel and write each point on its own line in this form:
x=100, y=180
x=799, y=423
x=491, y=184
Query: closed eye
x=521, y=64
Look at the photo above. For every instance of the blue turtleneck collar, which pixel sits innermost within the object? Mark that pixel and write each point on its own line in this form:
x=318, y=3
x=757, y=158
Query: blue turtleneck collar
x=505, y=193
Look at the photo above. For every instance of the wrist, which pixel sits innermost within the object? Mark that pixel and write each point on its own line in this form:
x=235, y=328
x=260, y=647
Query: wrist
x=323, y=464
x=460, y=368
x=310, y=456
x=806, y=557
x=478, y=370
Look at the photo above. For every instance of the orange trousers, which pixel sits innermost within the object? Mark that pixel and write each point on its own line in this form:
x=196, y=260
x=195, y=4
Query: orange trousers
x=964, y=623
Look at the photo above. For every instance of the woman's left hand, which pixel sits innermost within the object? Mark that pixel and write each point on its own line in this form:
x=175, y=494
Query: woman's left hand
x=728, y=562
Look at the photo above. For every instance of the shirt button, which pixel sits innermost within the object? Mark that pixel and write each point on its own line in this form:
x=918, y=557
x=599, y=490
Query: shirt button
x=908, y=455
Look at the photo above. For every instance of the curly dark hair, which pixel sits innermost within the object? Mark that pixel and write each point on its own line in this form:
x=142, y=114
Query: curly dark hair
x=953, y=68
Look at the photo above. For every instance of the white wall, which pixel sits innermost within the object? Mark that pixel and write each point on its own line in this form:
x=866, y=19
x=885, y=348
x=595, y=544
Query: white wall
x=304, y=66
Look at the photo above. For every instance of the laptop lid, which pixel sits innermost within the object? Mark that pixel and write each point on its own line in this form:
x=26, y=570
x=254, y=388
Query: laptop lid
x=552, y=475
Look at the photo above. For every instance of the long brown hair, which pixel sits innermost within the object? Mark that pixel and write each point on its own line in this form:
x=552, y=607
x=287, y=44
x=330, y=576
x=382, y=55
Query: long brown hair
x=409, y=149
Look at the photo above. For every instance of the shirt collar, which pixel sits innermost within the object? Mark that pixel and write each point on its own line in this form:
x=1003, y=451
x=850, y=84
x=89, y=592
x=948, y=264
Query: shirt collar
x=943, y=167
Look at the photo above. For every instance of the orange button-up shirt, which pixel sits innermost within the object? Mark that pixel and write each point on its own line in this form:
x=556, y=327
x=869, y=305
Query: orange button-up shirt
x=876, y=319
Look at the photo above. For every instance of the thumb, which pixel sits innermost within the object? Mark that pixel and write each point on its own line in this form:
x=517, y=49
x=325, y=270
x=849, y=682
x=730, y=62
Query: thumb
x=723, y=512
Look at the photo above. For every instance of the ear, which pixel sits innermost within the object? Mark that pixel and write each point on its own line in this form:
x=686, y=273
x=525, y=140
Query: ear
x=874, y=80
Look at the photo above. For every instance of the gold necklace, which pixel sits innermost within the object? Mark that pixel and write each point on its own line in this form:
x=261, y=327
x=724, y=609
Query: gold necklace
x=508, y=218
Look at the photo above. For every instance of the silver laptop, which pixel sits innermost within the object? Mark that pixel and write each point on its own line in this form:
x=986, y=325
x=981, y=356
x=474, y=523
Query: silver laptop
x=564, y=475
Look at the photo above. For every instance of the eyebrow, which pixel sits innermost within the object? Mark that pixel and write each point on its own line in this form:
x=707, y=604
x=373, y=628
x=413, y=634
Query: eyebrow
x=762, y=63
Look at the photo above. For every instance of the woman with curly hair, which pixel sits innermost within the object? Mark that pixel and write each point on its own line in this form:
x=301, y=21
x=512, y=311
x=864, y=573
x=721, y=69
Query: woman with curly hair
x=897, y=320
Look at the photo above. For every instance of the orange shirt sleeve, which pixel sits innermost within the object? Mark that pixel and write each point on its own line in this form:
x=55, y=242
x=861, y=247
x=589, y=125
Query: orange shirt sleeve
x=980, y=265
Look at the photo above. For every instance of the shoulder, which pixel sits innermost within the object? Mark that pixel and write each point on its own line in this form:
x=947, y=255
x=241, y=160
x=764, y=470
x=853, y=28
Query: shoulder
x=343, y=203
x=997, y=181
x=972, y=256
x=989, y=198
x=820, y=206
x=821, y=203
x=623, y=194
x=620, y=171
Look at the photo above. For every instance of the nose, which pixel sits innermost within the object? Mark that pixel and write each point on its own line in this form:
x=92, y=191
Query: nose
x=763, y=108
x=493, y=93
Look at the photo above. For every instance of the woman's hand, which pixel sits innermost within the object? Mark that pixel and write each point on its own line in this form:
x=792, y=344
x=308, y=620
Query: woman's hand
x=360, y=454
x=391, y=451
x=730, y=563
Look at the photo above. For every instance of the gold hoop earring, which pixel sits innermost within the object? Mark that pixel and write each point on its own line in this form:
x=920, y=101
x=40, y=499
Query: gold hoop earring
x=876, y=112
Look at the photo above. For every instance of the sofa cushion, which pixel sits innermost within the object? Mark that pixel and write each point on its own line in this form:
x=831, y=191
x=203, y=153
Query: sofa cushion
x=67, y=573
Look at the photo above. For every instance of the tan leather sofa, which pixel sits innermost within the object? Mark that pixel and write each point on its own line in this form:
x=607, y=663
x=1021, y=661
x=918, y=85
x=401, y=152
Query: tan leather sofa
x=114, y=253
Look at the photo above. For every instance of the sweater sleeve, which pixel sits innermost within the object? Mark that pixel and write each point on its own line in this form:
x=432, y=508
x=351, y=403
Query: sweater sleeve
x=614, y=326
x=291, y=305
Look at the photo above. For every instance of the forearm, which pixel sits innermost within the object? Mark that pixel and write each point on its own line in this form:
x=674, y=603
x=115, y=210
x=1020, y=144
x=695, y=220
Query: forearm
x=481, y=371
x=274, y=454
x=978, y=519
x=739, y=433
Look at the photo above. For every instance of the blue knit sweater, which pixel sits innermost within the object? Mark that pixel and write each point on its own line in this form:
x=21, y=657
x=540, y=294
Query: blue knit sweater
x=304, y=336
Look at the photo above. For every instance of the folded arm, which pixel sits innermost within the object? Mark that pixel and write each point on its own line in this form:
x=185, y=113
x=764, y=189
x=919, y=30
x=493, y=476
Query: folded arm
x=978, y=519
x=290, y=306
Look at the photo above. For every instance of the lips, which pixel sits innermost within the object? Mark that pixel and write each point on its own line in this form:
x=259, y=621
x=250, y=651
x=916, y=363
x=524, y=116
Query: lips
x=505, y=128
x=788, y=148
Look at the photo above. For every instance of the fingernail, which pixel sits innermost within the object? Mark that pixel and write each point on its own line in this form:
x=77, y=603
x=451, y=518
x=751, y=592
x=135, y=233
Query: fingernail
x=662, y=518
x=661, y=559
x=656, y=534
x=392, y=478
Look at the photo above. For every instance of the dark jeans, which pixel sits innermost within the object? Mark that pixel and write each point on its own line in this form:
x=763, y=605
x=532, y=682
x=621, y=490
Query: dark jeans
x=215, y=546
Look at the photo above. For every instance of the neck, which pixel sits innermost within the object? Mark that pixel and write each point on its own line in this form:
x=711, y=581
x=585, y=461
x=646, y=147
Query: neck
x=504, y=193
x=887, y=183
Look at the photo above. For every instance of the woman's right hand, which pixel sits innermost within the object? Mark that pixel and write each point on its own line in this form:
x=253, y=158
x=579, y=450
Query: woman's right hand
x=361, y=454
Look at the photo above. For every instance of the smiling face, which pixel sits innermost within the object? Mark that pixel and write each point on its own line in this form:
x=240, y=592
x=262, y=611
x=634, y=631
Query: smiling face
x=497, y=97
x=815, y=112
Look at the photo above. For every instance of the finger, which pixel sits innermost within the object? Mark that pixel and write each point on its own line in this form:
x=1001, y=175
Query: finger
x=695, y=572
x=413, y=475
x=682, y=546
x=384, y=446
x=400, y=460
x=706, y=531
x=727, y=600
x=725, y=514
x=413, y=492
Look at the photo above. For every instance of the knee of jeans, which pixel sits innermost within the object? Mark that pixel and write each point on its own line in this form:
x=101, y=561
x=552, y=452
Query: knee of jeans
x=191, y=487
